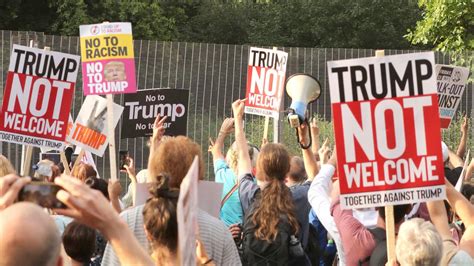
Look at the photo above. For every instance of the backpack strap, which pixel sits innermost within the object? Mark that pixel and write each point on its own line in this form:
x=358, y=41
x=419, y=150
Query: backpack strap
x=231, y=191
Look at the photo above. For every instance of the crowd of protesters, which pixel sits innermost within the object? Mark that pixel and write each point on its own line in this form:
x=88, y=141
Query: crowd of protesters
x=276, y=209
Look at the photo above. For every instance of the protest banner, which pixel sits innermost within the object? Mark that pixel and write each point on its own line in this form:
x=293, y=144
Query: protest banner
x=40, y=85
x=61, y=148
x=387, y=130
x=451, y=81
x=186, y=211
x=266, y=72
x=90, y=130
x=141, y=109
x=209, y=197
x=108, y=65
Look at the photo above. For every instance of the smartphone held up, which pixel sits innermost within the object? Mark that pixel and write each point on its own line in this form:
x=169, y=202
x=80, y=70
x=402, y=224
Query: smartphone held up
x=42, y=194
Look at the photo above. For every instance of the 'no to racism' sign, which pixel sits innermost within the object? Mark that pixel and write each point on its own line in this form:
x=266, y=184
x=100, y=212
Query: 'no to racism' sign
x=141, y=109
x=40, y=86
x=265, y=81
x=451, y=84
x=387, y=130
x=108, y=65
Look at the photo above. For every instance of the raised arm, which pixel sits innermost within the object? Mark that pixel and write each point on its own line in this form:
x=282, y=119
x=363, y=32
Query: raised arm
x=216, y=147
x=465, y=210
x=439, y=218
x=315, y=138
x=309, y=159
x=244, y=165
x=463, y=141
x=158, y=133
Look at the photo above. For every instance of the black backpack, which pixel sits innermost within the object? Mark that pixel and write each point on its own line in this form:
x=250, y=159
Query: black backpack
x=259, y=252
x=379, y=254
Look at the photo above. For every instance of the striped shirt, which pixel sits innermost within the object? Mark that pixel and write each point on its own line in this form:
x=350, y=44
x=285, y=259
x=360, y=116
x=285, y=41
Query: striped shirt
x=214, y=234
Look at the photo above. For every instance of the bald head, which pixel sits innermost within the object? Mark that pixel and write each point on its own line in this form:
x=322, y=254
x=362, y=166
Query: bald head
x=28, y=236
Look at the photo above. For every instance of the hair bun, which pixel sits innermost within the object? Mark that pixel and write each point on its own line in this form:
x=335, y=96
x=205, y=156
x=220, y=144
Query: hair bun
x=161, y=188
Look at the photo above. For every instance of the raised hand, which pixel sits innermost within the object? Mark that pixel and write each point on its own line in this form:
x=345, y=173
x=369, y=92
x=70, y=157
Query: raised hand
x=238, y=108
x=324, y=152
x=227, y=126
x=158, y=129
x=10, y=186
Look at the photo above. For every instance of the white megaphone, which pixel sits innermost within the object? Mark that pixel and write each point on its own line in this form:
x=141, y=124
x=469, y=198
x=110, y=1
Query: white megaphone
x=302, y=89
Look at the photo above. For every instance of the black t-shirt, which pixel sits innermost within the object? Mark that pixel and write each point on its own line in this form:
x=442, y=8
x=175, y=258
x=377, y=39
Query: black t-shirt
x=453, y=174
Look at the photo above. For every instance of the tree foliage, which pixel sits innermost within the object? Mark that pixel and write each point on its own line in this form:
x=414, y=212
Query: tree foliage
x=446, y=26
x=304, y=23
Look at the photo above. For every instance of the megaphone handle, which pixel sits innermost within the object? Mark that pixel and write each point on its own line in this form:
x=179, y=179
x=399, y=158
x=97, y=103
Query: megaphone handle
x=304, y=147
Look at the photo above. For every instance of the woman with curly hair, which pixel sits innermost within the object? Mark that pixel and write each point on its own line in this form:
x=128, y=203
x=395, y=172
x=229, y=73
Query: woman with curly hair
x=270, y=224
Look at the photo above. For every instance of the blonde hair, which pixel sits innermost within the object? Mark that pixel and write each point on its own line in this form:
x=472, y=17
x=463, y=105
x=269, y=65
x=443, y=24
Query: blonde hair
x=418, y=244
x=232, y=156
x=6, y=167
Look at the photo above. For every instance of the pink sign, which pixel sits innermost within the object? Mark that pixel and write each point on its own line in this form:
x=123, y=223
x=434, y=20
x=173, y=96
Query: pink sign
x=108, y=65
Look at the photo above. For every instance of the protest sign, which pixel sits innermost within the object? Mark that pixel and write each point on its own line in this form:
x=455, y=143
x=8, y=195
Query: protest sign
x=387, y=130
x=141, y=109
x=108, y=65
x=39, y=87
x=209, y=197
x=70, y=123
x=187, y=209
x=451, y=81
x=90, y=130
x=266, y=72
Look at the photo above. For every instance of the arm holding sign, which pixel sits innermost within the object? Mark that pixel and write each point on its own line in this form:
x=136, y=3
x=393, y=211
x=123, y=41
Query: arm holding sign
x=91, y=208
x=463, y=142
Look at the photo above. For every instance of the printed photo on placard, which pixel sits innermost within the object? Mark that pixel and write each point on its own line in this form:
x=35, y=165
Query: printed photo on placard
x=108, y=64
x=90, y=128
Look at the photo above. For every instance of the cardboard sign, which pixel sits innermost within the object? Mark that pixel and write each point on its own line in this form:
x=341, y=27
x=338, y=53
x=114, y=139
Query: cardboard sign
x=90, y=128
x=451, y=84
x=39, y=87
x=209, y=197
x=108, y=65
x=265, y=81
x=187, y=209
x=387, y=130
x=142, y=108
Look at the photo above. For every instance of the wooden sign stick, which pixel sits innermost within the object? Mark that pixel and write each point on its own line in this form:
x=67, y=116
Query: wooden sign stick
x=28, y=152
x=389, y=218
x=62, y=155
x=78, y=159
x=111, y=133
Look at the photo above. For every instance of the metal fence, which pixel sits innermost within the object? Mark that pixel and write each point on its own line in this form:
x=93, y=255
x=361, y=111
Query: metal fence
x=215, y=75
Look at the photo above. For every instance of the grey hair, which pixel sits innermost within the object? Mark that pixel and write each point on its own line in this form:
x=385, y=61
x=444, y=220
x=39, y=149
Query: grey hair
x=418, y=244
